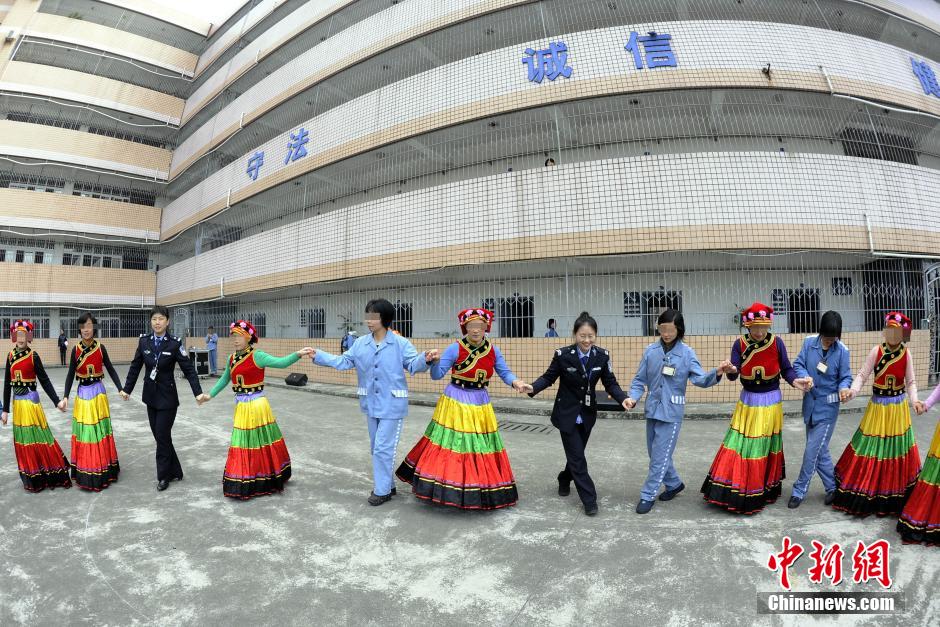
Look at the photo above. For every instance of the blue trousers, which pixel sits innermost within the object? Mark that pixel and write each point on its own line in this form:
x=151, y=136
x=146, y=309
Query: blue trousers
x=383, y=440
x=661, y=440
x=816, y=458
x=212, y=367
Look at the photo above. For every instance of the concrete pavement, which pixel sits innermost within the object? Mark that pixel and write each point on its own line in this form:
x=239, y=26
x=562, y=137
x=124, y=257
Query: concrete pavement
x=318, y=554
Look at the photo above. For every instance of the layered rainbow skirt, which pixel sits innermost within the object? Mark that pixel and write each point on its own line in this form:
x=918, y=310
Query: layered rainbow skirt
x=94, y=456
x=747, y=471
x=38, y=456
x=920, y=518
x=258, y=462
x=879, y=467
x=460, y=460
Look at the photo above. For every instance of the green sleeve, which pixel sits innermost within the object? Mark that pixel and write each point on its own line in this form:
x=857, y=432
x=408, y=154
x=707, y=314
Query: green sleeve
x=223, y=380
x=263, y=360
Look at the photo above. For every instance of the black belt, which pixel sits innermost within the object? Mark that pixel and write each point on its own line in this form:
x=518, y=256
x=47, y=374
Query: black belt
x=89, y=380
x=887, y=393
x=240, y=390
x=470, y=385
x=19, y=389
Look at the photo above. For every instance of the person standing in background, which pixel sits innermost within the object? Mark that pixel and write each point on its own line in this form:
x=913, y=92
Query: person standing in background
x=212, y=343
x=63, y=346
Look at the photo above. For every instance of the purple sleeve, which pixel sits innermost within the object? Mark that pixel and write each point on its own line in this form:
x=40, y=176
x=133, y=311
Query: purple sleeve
x=786, y=368
x=933, y=398
x=735, y=360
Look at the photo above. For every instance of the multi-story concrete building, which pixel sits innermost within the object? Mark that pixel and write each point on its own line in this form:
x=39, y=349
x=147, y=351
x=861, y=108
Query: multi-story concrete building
x=537, y=157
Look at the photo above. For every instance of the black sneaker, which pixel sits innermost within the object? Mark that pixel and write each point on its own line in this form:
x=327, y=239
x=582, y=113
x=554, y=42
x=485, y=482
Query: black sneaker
x=643, y=507
x=591, y=510
x=668, y=495
x=830, y=497
x=564, y=487
x=794, y=502
x=378, y=500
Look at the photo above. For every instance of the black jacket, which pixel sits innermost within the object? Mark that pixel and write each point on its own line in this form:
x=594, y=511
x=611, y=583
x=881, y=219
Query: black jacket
x=575, y=383
x=160, y=393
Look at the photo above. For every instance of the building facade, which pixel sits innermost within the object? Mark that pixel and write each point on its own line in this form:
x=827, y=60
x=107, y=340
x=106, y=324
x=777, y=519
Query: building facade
x=536, y=157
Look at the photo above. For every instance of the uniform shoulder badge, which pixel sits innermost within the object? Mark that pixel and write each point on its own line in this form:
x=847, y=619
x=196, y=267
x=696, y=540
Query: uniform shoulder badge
x=558, y=352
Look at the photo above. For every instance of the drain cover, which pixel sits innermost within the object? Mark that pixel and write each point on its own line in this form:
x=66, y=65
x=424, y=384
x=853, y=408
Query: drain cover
x=528, y=427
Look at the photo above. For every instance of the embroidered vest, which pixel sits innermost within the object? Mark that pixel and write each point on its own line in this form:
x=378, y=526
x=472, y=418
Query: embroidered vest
x=247, y=377
x=474, y=366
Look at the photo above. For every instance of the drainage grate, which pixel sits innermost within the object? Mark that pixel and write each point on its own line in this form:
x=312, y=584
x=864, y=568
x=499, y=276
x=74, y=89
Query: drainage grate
x=528, y=427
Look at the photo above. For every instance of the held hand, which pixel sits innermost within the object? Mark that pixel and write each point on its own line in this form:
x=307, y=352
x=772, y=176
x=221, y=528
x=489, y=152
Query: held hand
x=63, y=404
x=528, y=389
x=629, y=404
x=519, y=386
x=920, y=407
x=4, y=417
x=432, y=355
x=845, y=395
x=124, y=395
x=203, y=398
x=306, y=352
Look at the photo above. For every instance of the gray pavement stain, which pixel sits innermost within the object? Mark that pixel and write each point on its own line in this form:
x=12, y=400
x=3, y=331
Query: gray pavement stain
x=318, y=553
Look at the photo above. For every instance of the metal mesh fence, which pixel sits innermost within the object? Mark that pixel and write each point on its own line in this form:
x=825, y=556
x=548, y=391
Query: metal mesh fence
x=702, y=190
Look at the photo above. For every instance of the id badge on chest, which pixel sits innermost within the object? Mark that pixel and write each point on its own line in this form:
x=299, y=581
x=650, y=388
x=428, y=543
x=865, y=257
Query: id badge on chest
x=587, y=400
x=153, y=372
x=822, y=367
x=669, y=371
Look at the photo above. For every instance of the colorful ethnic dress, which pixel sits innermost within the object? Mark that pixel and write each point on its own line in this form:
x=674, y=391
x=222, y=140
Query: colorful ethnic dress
x=460, y=460
x=258, y=462
x=94, y=456
x=920, y=518
x=746, y=473
x=879, y=466
x=40, y=460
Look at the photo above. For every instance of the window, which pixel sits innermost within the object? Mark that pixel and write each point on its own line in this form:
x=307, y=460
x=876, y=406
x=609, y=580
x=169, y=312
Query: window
x=861, y=142
x=631, y=305
x=803, y=307
x=315, y=322
x=654, y=303
x=841, y=286
x=403, y=318
x=38, y=257
x=39, y=318
x=127, y=137
x=34, y=118
x=516, y=316
x=20, y=256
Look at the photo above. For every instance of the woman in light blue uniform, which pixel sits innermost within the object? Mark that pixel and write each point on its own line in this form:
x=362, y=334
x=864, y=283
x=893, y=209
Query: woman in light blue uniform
x=665, y=370
x=824, y=360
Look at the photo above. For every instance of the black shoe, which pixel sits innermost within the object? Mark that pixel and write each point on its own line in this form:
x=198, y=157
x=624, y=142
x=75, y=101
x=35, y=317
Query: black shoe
x=591, y=510
x=830, y=497
x=643, y=507
x=564, y=487
x=668, y=495
x=162, y=485
x=393, y=492
x=794, y=502
x=178, y=478
x=378, y=500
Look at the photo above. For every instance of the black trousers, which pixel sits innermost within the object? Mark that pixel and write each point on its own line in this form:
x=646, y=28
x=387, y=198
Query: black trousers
x=576, y=469
x=161, y=425
x=62, y=355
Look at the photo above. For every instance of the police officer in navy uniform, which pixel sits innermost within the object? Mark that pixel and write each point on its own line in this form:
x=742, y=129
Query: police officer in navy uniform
x=578, y=368
x=159, y=353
